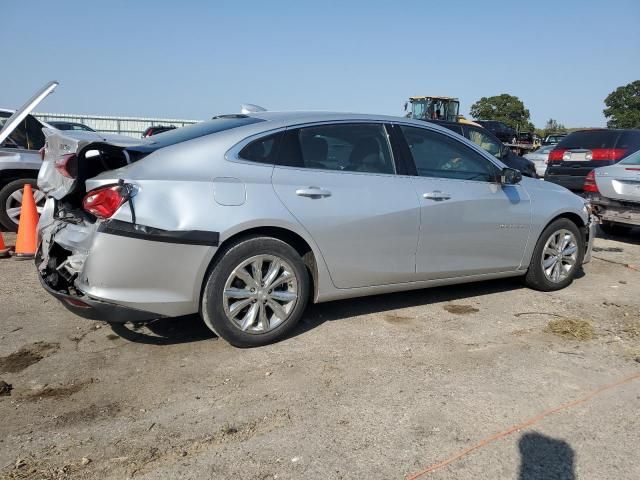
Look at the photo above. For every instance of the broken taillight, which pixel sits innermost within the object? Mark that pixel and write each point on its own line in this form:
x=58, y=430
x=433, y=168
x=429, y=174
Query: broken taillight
x=67, y=165
x=590, y=184
x=104, y=202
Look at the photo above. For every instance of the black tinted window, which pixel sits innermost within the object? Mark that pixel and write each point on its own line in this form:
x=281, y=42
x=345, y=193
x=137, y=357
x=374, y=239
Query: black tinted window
x=196, y=130
x=629, y=141
x=28, y=134
x=347, y=147
x=453, y=128
x=262, y=150
x=590, y=139
x=437, y=155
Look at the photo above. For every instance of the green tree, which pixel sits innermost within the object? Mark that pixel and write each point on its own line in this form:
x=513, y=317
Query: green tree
x=623, y=106
x=504, y=108
x=553, y=126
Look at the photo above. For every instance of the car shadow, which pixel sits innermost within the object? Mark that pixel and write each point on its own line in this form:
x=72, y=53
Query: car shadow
x=632, y=237
x=317, y=314
x=191, y=328
x=543, y=457
x=165, y=331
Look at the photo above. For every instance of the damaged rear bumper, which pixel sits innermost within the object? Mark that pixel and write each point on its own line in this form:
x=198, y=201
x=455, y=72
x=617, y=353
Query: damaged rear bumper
x=609, y=210
x=117, y=272
x=93, y=309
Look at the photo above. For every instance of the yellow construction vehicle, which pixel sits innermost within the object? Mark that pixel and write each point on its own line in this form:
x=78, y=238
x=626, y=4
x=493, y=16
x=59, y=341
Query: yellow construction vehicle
x=436, y=108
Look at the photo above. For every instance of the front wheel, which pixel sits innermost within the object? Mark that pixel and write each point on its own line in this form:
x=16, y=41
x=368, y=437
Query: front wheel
x=557, y=256
x=256, y=293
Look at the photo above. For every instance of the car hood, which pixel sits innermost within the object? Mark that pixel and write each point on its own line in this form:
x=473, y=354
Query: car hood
x=20, y=114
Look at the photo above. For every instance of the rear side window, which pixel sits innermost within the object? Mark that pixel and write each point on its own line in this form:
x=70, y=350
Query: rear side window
x=262, y=150
x=437, y=155
x=196, y=130
x=356, y=147
x=633, y=159
x=590, y=139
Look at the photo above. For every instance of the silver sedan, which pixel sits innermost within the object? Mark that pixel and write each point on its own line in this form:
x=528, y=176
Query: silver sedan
x=615, y=194
x=540, y=157
x=245, y=219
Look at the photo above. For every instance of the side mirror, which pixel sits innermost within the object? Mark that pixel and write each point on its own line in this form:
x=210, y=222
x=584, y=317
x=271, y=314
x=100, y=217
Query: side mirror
x=510, y=176
x=504, y=152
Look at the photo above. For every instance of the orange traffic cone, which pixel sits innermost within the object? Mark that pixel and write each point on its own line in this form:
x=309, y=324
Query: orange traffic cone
x=27, y=236
x=4, y=251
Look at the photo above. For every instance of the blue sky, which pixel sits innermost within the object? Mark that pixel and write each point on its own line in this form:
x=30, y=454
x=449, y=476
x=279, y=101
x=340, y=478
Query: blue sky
x=194, y=59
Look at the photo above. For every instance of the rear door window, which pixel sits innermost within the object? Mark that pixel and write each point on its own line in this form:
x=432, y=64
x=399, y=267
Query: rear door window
x=350, y=147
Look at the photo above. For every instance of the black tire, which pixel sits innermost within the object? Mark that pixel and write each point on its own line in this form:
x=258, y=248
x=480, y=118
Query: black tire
x=535, y=277
x=7, y=224
x=212, y=310
x=614, y=229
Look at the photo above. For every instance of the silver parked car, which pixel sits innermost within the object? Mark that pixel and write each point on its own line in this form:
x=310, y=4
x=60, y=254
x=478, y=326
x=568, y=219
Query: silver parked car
x=540, y=157
x=246, y=218
x=615, y=194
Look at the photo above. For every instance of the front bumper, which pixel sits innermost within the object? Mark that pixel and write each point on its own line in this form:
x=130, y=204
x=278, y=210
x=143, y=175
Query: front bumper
x=591, y=237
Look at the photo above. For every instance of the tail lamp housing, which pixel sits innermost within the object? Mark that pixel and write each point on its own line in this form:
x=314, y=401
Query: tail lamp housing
x=105, y=201
x=590, y=184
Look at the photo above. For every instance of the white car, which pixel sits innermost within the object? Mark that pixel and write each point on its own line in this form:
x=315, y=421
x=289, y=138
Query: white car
x=540, y=157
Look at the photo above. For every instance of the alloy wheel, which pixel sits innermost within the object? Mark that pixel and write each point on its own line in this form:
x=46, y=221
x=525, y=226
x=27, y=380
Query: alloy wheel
x=14, y=204
x=260, y=294
x=559, y=255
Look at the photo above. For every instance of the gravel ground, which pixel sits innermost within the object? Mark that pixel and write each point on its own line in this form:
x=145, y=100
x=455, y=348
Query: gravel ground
x=374, y=388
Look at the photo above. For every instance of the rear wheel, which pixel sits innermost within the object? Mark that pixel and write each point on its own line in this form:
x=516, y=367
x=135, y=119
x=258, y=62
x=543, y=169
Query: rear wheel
x=11, y=202
x=557, y=256
x=256, y=292
x=614, y=229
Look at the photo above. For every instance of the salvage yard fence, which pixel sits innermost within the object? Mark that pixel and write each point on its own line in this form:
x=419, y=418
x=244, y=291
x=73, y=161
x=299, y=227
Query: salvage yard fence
x=131, y=126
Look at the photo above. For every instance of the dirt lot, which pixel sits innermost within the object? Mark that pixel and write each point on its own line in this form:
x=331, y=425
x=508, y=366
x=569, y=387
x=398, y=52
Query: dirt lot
x=374, y=388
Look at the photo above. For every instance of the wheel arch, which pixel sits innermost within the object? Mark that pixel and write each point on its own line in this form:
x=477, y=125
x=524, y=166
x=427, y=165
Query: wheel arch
x=288, y=236
x=9, y=175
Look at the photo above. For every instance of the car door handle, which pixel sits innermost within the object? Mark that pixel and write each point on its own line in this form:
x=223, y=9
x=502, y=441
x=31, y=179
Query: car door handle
x=436, y=195
x=313, y=192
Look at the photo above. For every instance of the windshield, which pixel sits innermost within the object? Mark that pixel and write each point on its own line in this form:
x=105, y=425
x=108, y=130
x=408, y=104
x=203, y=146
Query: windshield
x=633, y=159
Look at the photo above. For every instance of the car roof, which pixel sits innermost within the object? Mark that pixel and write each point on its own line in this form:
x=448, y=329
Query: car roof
x=274, y=119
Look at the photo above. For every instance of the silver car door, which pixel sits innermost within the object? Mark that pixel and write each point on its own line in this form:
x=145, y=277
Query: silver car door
x=339, y=181
x=470, y=224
